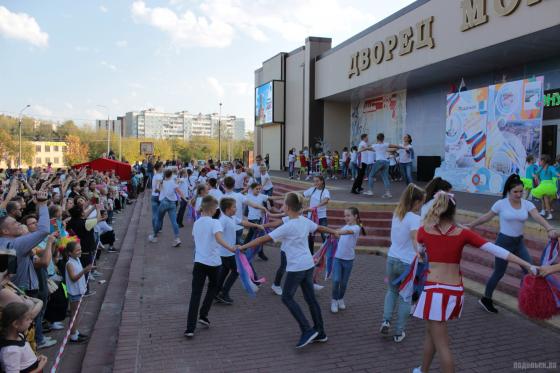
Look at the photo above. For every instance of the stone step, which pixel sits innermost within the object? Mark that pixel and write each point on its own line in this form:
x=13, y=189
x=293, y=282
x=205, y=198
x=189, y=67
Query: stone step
x=478, y=256
x=481, y=273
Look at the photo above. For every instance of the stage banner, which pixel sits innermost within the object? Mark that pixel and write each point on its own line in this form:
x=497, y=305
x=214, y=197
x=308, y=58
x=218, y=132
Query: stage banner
x=489, y=133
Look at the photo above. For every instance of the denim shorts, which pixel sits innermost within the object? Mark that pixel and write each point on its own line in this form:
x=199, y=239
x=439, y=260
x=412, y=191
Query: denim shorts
x=74, y=298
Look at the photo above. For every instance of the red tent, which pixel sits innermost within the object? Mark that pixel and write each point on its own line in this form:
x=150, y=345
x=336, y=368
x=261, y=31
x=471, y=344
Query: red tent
x=122, y=170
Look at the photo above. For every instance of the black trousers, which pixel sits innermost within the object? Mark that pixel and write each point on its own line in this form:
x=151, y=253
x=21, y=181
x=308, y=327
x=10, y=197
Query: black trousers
x=360, y=178
x=107, y=238
x=181, y=212
x=228, y=274
x=200, y=272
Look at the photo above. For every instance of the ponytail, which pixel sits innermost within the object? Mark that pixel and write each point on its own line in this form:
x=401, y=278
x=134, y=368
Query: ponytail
x=355, y=212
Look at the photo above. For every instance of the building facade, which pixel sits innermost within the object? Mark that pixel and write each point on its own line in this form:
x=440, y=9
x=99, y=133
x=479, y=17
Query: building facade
x=394, y=77
x=45, y=152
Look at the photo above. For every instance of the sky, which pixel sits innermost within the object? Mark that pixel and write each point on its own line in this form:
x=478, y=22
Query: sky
x=88, y=59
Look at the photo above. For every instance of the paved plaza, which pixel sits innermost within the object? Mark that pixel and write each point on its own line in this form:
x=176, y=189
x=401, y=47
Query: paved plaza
x=259, y=335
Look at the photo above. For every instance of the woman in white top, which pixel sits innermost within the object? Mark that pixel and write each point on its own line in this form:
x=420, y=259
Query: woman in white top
x=318, y=197
x=404, y=227
x=513, y=211
x=186, y=185
x=437, y=184
x=354, y=162
x=291, y=163
x=406, y=154
x=266, y=182
x=381, y=164
x=168, y=196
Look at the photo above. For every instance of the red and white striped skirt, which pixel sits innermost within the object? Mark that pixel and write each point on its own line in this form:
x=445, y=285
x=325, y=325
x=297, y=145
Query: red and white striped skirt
x=440, y=302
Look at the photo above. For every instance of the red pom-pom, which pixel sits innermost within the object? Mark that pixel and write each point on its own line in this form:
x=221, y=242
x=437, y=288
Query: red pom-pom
x=536, y=299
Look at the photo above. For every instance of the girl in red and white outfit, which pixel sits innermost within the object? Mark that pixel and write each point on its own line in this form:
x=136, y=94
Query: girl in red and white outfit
x=443, y=294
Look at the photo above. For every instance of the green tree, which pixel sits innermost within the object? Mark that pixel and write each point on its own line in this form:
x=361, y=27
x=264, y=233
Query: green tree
x=76, y=151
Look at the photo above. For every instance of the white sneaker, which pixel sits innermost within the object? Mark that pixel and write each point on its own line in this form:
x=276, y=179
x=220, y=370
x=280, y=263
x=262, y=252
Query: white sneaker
x=152, y=238
x=176, y=242
x=57, y=325
x=384, y=329
x=334, y=306
x=276, y=289
x=387, y=195
x=548, y=216
x=417, y=370
x=352, y=179
x=543, y=213
x=318, y=287
x=46, y=343
x=368, y=193
x=341, y=304
x=399, y=338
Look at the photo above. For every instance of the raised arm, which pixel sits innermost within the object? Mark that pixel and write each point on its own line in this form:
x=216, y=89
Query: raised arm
x=11, y=194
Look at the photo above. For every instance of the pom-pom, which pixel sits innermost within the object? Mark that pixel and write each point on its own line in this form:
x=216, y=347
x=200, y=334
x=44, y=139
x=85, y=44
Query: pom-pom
x=536, y=299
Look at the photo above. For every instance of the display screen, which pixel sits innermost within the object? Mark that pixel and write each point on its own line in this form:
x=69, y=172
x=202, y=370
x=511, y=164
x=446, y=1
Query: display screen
x=263, y=104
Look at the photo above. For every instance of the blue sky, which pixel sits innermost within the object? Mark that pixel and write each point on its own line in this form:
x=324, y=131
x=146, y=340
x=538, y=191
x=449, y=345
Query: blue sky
x=66, y=57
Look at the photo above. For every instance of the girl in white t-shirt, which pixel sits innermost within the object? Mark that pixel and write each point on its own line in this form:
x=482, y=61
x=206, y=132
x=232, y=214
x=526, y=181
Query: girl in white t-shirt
x=513, y=211
x=16, y=354
x=266, y=182
x=404, y=227
x=344, y=257
x=291, y=163
x=318, y=197
x=201, y=192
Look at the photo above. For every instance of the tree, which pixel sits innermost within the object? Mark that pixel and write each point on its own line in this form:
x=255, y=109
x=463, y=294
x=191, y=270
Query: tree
x=76, y=151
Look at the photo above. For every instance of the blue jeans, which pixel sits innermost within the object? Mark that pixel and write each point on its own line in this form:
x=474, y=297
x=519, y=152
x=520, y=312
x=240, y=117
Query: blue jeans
x=291, y=168
x=169, y=207
x=155, y=208
x=305, y=280
x=268, y=192
x=281, y=269
x=514, y=245
x=341, y=274
x=395, y=268
x=382, y=166
x=406, y=170
x=354, y=169
x=344, y=170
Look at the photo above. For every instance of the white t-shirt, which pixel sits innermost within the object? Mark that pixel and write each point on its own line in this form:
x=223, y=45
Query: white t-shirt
x=155, y=181
x=291, y=158
x=75, y=287
x=425, y=208
x=17, y=358
x=198, y=204
x=315, y=197
x=294, y=235
x=367, y=155
x=239, y=179
x=212, y=174
x=229, y=229
x=254, y=213
x=206, y=248
x=216, y=193
x=380, y=151
x=256, y=170
x=285, y=219
x=404, y=155
x=239, y=198
x=185, y=187
x=230, y=173
x=401, y=243
x=102, y=227
x=512, y=220
x=347, y=243
x=354, y=156
x=168, y=190
x=266, y=182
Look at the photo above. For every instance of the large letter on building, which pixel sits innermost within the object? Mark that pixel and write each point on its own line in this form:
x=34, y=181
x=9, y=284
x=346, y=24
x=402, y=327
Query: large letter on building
x=533, y=2
x=507, y=8
x=378, y=49
x=405, y=41
x=354, y=66
x=474, y=13
x=391, y=43
x=364, y=60
x=424, y=33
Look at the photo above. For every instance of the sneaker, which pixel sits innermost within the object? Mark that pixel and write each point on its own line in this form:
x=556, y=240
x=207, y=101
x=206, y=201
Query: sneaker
x=543, y=213
x=89, y=293
x=368, y=193
x=384, y=329
x=176, y=242
x=111, y=249
x=204, y=321
x=57, y=325
x=223, y=299
x=79, y=339
x=188, y=334
x=97, y=273
x=354, y=192
x=321, y=337
x=334, y=306
x=548, y=216
x=488, y=305
x=318, y=287
x=306, y=338
x=152, y=238
x=387, y=195
x=417, y=370
x=341, y=305
x=399, y=337
x=276, y=289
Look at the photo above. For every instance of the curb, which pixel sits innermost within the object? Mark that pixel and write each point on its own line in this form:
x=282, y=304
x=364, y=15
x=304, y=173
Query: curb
x=477, y=289
x=101, y=349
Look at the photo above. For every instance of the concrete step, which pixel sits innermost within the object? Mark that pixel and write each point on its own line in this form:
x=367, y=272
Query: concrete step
x=478, y=256
x=481, y=273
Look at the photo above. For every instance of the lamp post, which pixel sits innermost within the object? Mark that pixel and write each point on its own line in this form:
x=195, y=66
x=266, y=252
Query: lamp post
x=220, y=133
x=20, y=114
x=108, y=130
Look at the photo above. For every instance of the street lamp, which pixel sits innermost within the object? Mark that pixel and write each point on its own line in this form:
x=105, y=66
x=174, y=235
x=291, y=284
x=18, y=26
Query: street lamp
x=20, y=113
x=220, y=133
x=108, y=130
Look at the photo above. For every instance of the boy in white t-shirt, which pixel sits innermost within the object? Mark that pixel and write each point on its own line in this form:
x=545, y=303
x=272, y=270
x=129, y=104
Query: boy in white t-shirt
x=207, y=234
x=299, y=267
x=229, y=222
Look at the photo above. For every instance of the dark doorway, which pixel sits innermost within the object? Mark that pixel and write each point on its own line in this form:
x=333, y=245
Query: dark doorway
x=549, y=134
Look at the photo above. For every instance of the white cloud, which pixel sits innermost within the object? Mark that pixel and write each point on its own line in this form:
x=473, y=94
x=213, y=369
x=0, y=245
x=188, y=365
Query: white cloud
x=69, y=105
x=216, y=86
x=215, y=23
x=103, y=9
x=121, y=43
x=21, y=26
x=109, y=65
x=41, y=110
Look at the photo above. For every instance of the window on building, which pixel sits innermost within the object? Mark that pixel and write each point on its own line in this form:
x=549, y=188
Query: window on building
x=64, y=149
x=56, y=159
x=47, y=148
x=56, y=148
x=38, y=149
x=38, y=160
x=47, y=160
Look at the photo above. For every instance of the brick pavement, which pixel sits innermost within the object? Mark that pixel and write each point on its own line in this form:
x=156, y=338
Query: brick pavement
x=259, y=335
